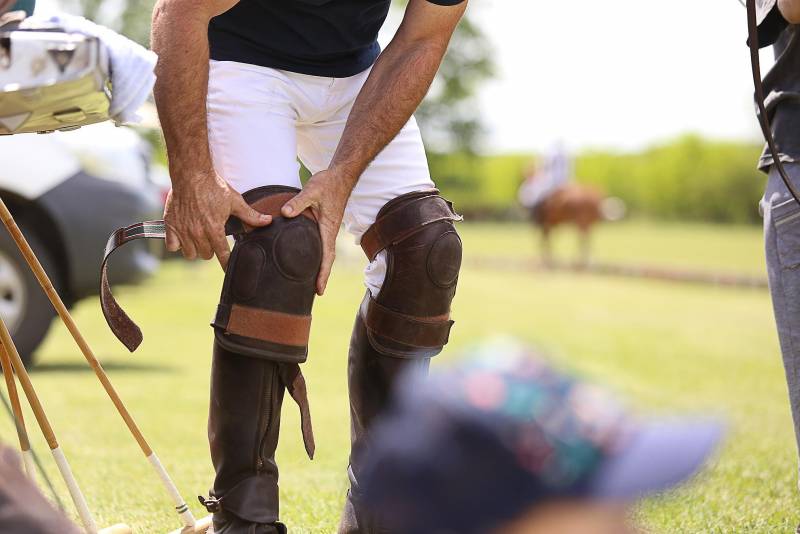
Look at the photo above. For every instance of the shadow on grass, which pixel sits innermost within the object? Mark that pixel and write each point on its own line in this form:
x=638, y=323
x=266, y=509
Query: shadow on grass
x=83, y=367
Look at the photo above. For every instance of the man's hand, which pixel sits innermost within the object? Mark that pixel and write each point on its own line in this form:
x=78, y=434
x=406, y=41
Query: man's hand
x=200, y=202
x=326, y=194
x=196, y=215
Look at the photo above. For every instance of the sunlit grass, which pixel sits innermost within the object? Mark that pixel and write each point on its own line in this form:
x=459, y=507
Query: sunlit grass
x=666, y=347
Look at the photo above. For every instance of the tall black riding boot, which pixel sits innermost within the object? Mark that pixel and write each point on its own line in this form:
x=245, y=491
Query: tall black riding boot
x=243, y=425
x=404, y=326
x=371, y=378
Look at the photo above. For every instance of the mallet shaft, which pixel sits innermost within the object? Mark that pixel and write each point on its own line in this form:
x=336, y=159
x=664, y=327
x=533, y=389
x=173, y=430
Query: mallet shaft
x=47, y=430
x=66, y=317
x=16, y=406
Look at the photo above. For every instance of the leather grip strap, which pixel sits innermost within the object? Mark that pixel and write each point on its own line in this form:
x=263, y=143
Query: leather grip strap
x=420, y=332
x=402, y=222
x=120, y=323
x=763, y=118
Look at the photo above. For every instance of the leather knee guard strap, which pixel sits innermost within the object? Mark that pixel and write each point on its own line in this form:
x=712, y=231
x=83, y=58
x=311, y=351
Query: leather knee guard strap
x=410, y=317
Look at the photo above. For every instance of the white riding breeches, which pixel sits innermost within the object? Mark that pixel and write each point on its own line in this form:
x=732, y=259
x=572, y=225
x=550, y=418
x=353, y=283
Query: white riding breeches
x=261, y=120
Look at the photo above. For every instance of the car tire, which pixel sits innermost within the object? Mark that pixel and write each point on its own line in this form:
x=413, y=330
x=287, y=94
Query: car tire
x=23, y=305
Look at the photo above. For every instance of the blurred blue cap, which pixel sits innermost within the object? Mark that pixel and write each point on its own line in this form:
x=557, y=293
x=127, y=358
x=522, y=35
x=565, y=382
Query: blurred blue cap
x=476, y=445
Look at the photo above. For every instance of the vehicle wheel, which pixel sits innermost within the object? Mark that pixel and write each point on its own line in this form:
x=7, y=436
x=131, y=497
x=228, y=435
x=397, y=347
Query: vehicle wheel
x=23, y=305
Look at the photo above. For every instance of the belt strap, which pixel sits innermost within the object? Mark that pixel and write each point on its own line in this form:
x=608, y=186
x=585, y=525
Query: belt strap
x=398, y=224
x=420, y=332
x=766, y=128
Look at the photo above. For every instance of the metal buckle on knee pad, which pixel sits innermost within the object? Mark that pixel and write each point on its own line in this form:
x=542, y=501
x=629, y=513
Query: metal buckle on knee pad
x=269, y=287
x=411, y=315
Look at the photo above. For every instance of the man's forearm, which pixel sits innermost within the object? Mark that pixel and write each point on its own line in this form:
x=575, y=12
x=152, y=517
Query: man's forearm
x=397, y=84
x=180, y=38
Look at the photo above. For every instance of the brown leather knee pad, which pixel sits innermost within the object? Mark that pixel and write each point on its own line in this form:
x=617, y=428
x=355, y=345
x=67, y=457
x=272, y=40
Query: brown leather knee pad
x=270, y=282
x=410, y=317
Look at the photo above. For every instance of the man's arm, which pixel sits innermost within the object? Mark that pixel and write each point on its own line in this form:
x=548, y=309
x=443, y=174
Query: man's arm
x=394, y=89
x=201, y=201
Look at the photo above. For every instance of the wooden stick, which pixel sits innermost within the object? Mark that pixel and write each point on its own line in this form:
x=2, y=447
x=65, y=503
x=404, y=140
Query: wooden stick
x=202, y=526
x=33, y=262
x=47, y=430
x=16, y=408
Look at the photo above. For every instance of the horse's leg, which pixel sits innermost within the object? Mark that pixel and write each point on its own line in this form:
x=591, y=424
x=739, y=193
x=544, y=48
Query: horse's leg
x=547, y=256
x=584, y=233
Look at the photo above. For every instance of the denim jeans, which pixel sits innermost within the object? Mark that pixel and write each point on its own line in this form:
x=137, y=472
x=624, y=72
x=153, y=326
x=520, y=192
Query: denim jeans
x=782, y=239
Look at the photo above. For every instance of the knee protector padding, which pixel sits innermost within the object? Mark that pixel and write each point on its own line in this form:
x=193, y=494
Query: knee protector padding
x=270, y=282
x=410, y=317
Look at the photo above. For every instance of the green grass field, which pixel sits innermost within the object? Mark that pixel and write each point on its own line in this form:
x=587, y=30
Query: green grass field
x=666, y=347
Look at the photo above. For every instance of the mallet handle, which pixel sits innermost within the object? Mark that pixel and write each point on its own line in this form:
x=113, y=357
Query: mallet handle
x=61, y=309
x=16, y=406
x=27, y=386
x=47, y=430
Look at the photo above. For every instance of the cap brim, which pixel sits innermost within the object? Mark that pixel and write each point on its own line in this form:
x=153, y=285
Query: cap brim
x=658, y=456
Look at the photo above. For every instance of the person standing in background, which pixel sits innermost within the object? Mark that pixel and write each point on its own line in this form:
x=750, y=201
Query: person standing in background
x=777, y=27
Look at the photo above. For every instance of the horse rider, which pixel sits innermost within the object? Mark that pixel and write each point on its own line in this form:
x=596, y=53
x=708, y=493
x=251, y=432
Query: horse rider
x=245, y=89
x=777, y=24
x=544, y=179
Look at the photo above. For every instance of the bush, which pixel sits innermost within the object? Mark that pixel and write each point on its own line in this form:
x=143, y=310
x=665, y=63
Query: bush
x=689, y=178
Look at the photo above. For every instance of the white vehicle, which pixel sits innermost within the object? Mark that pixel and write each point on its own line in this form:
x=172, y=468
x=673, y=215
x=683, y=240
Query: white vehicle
x=68, y=191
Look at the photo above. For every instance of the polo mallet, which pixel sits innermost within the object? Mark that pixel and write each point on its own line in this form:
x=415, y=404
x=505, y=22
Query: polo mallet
x=33, y=262
x=44, y=424
x=16, y=408
x=7, y=406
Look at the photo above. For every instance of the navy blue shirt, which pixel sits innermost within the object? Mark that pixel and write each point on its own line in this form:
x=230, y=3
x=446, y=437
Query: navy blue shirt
x=332, y=38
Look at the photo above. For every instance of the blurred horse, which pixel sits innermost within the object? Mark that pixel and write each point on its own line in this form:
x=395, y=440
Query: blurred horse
x=581, y=205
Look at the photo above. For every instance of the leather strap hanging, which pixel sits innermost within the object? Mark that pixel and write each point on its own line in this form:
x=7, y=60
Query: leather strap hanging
x=766, y=128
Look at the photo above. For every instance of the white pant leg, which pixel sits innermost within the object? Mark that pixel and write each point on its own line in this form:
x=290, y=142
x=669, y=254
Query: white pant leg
x=252, y=126
x=400, y=168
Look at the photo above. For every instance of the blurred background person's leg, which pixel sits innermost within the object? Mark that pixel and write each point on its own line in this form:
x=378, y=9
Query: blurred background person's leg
x=782, y=240
x=23, y=510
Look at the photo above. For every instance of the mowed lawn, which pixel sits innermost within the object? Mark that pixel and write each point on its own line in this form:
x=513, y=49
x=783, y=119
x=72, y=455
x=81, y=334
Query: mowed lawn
x=666, y=347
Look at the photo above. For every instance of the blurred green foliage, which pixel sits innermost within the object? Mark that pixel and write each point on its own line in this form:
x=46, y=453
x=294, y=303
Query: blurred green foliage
x=480, y=186
x=450, y=116
x=689, y=178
